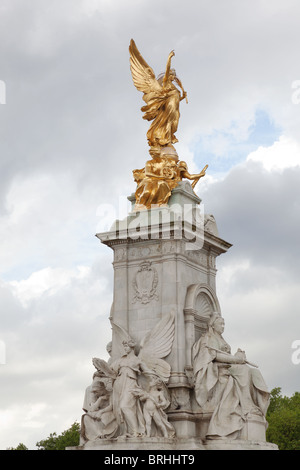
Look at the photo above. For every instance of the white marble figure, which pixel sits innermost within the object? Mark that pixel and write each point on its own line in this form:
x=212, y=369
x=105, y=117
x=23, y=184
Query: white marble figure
x=99, y=421
x=127, y=409
x=154, y=403
x=94, y=391
x=226, y=383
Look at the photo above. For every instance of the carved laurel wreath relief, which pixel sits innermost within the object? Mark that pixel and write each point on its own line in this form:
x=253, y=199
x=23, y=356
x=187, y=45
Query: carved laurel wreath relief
x=145, y=283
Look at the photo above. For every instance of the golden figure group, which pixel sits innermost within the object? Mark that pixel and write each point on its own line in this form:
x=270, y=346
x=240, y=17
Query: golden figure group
x=161, y=174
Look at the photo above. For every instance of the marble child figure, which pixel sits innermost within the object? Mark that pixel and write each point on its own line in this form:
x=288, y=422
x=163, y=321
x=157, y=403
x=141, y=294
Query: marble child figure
x=154, y=403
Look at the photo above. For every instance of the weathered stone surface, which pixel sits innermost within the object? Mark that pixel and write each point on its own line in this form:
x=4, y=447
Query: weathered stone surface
x=162, y=388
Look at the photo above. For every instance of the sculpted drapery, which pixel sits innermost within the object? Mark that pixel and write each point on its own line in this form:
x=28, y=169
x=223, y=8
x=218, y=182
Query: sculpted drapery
x=128, y=394
x=162, y=97
x=226, y=384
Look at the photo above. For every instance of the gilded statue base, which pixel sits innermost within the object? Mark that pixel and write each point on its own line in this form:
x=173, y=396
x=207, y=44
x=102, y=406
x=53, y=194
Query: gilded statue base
x=160, y=176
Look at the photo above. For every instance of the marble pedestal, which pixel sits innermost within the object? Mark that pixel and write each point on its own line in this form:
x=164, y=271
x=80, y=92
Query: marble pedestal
x=165, y=263
x=190, y=444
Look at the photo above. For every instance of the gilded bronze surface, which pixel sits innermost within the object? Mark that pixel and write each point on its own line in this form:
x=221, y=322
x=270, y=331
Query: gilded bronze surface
x=161, y=174
x=161, y=96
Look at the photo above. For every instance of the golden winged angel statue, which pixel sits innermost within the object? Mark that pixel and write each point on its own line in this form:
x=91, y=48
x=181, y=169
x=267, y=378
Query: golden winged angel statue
x=163, y=172
x=161, y=96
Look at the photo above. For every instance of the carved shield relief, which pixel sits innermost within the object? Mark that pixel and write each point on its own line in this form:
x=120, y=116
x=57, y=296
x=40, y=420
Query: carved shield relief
x=145, y=284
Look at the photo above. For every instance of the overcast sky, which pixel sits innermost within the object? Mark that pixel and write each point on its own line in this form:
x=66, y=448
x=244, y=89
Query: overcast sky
x=71, y=132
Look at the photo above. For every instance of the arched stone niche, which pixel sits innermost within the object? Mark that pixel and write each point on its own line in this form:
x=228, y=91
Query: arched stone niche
x=200, y=303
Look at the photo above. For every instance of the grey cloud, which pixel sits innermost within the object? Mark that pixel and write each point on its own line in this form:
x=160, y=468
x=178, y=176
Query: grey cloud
x=71, y=99
x=258, y=212
x=73, y=116
x=51, y=341
x=258, y=278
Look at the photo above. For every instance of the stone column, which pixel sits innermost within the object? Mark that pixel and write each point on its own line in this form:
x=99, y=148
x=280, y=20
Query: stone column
x=164, y=259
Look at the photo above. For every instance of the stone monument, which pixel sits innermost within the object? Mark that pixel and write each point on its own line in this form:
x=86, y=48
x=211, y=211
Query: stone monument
x=172, y=381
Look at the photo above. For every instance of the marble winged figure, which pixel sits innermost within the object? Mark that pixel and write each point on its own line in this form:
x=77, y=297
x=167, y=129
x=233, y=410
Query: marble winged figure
x=161, y=96
x=154, y=346
x=133, y=372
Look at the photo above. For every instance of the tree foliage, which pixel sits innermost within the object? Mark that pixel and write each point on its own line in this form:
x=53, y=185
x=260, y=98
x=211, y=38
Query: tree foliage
x=19, y=447
x=68, y=438
x=283, y=417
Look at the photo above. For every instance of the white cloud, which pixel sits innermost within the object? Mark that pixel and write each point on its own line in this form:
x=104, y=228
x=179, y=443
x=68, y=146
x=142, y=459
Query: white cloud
x=284, y=153
x=46, y=219
x=70, y=134
x=48, y=281
x=57, y=320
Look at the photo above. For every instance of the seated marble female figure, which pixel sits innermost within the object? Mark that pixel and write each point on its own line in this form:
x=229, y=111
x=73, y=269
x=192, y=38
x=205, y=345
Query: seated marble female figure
x=225, y=384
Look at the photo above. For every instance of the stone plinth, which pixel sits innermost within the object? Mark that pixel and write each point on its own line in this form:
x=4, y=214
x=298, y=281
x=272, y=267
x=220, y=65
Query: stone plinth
x=238, y=444
x=165, y=290
x=165, y=261
x=152, y=443
x=191, y=444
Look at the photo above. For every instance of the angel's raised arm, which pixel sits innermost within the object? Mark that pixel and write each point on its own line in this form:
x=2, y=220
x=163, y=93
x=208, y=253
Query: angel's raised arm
x=168, y=67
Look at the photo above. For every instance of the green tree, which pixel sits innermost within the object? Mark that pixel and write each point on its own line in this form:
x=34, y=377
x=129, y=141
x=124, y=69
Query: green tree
x=283, y=417
x=19, y=447
x=68, y=438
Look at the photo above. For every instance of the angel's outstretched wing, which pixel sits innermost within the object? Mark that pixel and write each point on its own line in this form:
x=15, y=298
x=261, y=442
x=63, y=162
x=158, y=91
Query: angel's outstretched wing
x=103, y=368
x=157, y=344
x=142, y=74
